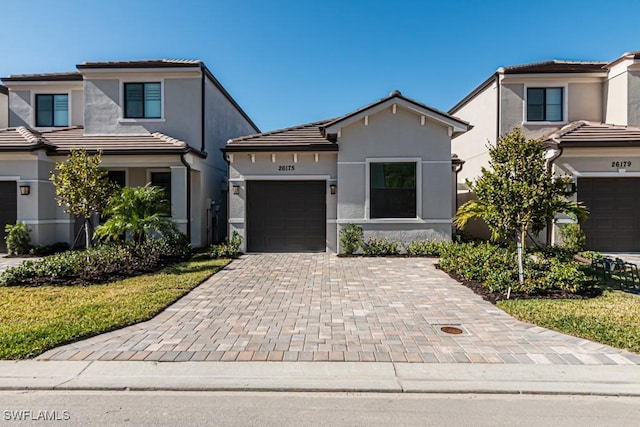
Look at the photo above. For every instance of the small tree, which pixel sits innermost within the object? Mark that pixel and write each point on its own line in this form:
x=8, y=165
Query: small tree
x=136, y=212
x=82, y=187
x=518, y=193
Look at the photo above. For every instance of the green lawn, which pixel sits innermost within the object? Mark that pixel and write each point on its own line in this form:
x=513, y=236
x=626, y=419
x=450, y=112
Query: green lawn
x=36, y=319
x=612, y=319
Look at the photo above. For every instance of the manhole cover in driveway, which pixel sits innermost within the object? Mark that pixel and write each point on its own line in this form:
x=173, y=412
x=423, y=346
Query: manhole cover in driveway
x=449, y=329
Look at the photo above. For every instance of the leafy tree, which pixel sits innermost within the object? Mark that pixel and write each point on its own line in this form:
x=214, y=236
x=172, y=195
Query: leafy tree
x=136, y=212
x=82, y=187
x=519, y=192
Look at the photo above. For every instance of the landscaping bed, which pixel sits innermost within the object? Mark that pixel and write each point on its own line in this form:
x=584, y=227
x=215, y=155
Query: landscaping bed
x=36, y=319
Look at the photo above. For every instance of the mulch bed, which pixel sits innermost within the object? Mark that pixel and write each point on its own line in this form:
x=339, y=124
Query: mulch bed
x=493, y=297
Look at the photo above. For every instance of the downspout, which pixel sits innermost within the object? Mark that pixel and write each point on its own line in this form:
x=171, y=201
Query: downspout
x=549, y=169
x=497, y=107
x=202, y=112
x=188, y=166
x=226, y=226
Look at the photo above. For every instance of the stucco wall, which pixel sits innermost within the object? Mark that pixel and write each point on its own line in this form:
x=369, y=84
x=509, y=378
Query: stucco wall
x=585, y=101
x=397, y=136
x=472, y=146
x=22, y=103
x=633, y=113
x=4, y=110
x=104, y=112
x=222, y=122
x=616, y=100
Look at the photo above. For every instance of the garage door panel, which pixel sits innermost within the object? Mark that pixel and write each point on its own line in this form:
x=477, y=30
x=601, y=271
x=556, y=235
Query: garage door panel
x=613, y=223
x=286, y=216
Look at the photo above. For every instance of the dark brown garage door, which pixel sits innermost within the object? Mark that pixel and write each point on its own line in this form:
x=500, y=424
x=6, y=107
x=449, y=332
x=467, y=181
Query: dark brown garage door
x=8, y=208
x=286, y=216
x=614, y=213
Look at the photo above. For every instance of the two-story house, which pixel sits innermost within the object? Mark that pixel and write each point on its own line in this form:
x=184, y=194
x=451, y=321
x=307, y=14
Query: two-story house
x=587, y=115
x=157, y=121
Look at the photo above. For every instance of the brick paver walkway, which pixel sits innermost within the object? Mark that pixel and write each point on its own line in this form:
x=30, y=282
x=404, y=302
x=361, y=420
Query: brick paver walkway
x=309, y=307
x=10, y=262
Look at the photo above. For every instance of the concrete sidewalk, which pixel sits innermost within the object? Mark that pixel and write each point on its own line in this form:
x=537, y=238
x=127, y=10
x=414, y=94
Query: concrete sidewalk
x=606, y=380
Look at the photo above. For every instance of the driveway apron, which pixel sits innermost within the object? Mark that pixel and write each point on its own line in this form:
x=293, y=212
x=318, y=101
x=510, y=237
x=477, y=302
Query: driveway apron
x=320, y=307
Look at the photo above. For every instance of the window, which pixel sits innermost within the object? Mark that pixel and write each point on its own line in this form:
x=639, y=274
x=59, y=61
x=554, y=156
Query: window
x=117, y=177
x=52, y=110
x=393, y=190
x=544, y=104
x=163, y=180
x=142, y=100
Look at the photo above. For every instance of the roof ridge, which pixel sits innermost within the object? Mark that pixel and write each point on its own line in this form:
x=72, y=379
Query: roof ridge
x=169, y=139
x=28, y=134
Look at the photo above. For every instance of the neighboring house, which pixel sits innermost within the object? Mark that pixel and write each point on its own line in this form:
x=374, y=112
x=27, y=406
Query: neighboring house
x=387, y=167
x=588, y=115
x=4, y=107
x=157, y=121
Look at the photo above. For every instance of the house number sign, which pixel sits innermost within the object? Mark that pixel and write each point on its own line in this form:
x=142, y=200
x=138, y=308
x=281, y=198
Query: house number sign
x=286, y=168
x=621, y=164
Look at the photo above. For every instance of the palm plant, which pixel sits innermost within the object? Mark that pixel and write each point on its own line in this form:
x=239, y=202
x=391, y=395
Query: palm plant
x=136, y=213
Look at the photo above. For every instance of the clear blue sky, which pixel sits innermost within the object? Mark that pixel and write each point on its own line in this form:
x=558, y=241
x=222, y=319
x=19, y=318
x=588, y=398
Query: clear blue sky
x=296, y=61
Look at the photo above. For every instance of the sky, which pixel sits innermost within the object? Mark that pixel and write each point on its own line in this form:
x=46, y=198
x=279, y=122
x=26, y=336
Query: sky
x=288, y=62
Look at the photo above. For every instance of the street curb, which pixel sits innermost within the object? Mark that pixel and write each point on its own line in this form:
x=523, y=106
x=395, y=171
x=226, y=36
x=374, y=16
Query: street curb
x=353, y=377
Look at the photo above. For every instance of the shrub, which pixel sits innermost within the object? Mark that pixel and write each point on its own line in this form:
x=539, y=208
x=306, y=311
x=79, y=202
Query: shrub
x=351, y=238
x=573, y=238
x=44, y=250
x=425, y=248
x=590, y=255
x=98, y=264
x=229, y=249
x=496, y=268
x=17, y=238
x=380, y=247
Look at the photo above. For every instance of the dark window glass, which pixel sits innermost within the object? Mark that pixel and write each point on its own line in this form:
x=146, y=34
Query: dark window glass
x=393, y=190
x=142, y=100
x=544, y=104
x=118, y=177
x=52, y=110
x=163, y=180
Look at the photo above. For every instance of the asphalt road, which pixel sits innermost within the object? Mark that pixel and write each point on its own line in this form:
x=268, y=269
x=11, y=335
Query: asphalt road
x=312, y=409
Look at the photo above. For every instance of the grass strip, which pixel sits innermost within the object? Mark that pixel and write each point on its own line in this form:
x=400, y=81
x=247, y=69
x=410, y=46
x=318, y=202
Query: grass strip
x=36, y=319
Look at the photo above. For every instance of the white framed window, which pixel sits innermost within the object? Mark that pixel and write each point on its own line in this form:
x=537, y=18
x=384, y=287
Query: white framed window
x=393, y=188
x=51, y=109
x=545, y=104
x=142, y=100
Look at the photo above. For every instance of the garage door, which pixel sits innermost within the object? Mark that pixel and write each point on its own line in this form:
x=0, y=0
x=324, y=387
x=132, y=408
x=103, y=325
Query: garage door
x=614, y=213
x=8, y=208
x=286, y=216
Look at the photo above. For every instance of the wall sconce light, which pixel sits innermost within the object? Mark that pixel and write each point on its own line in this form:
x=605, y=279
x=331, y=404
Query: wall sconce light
x=25, y=190
x=236, y=189
x=570, y=188
x=333, y=188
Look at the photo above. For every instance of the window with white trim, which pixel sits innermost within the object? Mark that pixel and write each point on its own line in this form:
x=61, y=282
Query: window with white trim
x=392, y=190
x=545, y=104
x=52, y=110
x=143, y=100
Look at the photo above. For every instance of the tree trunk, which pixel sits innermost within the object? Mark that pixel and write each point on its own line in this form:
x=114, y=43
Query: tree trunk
x=87, y=233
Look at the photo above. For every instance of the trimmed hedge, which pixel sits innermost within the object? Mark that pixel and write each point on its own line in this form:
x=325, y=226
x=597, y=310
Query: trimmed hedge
x=98, y=264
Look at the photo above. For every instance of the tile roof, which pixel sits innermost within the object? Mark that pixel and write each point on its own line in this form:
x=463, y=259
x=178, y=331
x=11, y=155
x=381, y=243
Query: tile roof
x=41, y=77
x=63, y=140
x=307, y=136
x=145, y=63
x=592, y=134
x=4, y=90
x=20, y=139
x=556, y=66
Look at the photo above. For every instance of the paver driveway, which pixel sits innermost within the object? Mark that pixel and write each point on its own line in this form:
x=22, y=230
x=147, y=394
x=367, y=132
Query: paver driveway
x=322, y=307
